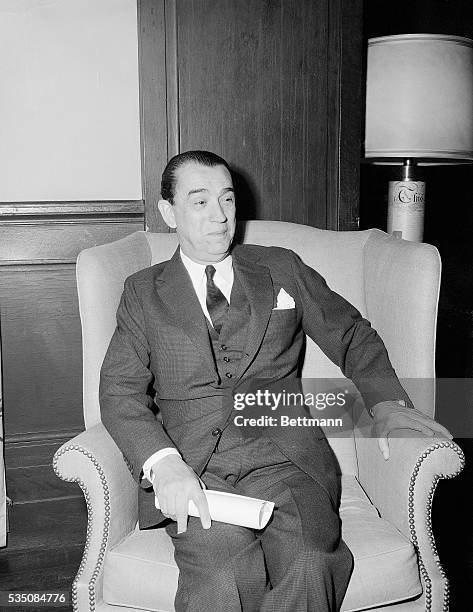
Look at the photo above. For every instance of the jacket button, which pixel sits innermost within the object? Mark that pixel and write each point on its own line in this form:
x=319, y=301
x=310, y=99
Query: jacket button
x=224, y=347
x=216, y=432
x=226, y=359
x=229, y=375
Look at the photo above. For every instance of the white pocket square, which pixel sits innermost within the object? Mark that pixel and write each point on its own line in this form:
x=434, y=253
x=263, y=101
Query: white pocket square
x=284, y=301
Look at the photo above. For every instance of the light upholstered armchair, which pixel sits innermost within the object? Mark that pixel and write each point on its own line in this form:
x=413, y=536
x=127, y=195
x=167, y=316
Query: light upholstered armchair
x=386, y=505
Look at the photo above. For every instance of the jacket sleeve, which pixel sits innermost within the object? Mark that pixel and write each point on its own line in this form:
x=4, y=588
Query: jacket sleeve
x=346, y=338
x=126, y=402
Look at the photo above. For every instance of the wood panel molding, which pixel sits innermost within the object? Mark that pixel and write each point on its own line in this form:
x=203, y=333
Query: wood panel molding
x=59, y=243
x=27, y=213
x=172, y=80
x=56, y=436
x=153, y=16
x=43, y=233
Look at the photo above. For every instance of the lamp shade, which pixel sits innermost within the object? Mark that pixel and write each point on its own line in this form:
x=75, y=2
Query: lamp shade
x=419, y=99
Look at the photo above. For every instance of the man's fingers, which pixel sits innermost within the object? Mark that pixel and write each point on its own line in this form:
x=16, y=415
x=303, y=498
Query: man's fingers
x=175, y=486
x=443, y=431
x=384, y=446
x=163, y=505
x=182, y=512
x=202, y=506
x=181, y=522
x=419, y=422
x=432, y=425
x=168, y=513
x=425, y=429
x=431, y=430
x=388, y=421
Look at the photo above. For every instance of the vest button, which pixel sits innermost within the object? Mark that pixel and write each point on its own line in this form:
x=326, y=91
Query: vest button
x=226, y=359
x=229, y=375
x=216, y=432
x=223, y=347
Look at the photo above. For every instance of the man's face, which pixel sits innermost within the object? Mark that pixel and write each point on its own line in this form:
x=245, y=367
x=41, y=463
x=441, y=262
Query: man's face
x=203, y=211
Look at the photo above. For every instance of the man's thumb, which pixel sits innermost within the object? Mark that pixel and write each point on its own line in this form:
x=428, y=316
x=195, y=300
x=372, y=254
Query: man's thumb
x=384, y=446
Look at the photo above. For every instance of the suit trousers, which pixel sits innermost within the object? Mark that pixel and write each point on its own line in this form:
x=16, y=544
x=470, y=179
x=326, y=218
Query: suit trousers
x=297, y=563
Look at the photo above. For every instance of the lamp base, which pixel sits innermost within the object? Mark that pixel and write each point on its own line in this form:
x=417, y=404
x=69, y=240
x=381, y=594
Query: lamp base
x=406, y=200
x=406, y=209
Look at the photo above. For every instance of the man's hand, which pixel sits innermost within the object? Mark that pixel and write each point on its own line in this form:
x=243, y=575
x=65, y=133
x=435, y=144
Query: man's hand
x=175, y=483
x=390, y=415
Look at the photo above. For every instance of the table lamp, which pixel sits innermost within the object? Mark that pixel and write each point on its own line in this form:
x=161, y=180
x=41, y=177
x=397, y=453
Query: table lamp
x=419, y=111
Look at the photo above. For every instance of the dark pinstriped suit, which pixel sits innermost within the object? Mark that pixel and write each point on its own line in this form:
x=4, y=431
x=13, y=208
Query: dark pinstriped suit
x=162, y=342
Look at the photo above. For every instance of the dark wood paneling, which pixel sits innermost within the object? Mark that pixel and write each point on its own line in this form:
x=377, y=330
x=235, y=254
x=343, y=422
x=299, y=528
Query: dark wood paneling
x=345, y=129
x=264, y=84
x=31, y=454
x=302, y=113
x=41, y=335
x=274, y=87
x=38, y=483
x=30, y=475
x=42, y=348
x=252, y=87
x=57, y=242
x=45, y=545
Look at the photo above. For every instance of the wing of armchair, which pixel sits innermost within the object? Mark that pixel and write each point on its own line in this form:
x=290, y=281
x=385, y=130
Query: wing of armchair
x=402, y=489
x=94, y=462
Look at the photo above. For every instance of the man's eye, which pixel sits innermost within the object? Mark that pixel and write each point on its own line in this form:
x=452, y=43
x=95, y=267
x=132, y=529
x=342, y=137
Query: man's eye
x=229, y=200
x=200, y=203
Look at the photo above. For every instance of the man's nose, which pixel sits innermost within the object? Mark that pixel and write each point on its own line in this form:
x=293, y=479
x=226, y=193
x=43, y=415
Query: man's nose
x=218, y=214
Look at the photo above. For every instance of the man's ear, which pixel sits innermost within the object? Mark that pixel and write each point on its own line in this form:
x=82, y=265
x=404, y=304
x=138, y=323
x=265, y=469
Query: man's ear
x=167, y=212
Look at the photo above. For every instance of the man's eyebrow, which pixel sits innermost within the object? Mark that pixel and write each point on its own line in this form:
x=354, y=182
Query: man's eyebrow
x=203, y=190
x=192, y=191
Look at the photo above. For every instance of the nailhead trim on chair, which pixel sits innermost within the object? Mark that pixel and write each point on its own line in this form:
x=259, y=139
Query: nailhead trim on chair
x=106, y=526
x=428, y=516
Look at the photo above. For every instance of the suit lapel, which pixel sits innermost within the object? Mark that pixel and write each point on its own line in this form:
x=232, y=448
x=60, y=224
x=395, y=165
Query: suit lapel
x=258, y=286
x=176, y=291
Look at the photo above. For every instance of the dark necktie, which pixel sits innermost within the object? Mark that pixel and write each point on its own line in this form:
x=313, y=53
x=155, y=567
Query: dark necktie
x=217, y=304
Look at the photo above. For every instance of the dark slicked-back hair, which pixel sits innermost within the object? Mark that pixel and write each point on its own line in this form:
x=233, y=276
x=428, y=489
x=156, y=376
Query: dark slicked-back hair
x=168, y=179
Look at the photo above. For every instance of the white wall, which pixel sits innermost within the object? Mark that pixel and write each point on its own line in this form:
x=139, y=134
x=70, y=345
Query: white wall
x=69, y=105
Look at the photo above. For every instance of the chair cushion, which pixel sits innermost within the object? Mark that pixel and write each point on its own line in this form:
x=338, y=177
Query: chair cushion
x=385, y=562
x=140, y=571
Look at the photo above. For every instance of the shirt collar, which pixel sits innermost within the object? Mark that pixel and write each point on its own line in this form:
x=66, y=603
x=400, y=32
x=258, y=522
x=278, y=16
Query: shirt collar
x=197, y=270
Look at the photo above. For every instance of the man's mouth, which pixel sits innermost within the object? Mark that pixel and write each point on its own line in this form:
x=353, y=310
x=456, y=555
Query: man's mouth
x=219, y=233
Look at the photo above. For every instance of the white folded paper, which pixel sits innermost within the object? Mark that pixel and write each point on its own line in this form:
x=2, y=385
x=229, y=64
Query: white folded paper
x=234, y=509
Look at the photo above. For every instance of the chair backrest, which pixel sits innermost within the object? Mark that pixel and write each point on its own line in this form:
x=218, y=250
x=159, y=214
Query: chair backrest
x=392, y=282
x=101, y=272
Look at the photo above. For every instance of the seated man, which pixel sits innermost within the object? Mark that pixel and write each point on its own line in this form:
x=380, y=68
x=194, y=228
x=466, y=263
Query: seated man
x=198, y=328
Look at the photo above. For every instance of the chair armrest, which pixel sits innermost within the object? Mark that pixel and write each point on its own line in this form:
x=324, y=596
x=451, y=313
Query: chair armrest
x=93, y=460
x=402, y=489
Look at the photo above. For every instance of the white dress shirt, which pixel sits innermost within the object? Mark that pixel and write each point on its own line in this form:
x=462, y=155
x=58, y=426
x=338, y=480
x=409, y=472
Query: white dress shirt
x=223, y=278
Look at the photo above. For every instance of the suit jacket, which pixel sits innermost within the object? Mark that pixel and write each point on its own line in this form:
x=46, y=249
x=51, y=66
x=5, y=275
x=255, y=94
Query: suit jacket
x=161, y=349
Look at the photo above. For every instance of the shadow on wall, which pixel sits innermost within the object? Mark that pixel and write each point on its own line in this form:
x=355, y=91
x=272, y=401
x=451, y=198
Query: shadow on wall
x=245, y=189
